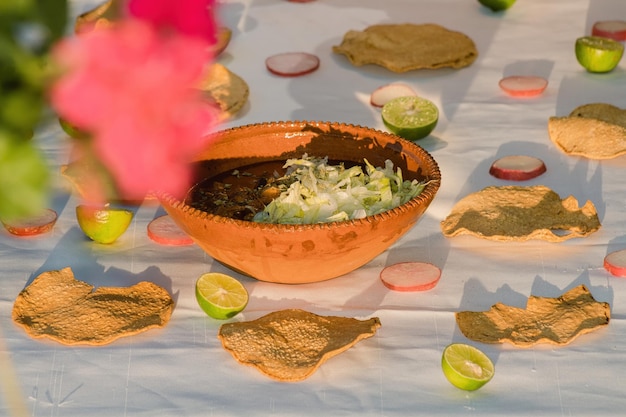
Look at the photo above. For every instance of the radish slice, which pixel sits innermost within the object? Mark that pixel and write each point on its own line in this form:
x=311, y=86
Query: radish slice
x=410, y=276
x=164, y=231
x=388, y=92
x=517, y=168
x=615, y=263
x=523, y=85
x=292, y=64
x=36, y=225
x=612, y=29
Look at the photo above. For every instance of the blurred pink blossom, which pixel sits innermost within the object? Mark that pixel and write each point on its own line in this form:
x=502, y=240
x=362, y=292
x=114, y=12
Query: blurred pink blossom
x=132, y=89
x=189, y=17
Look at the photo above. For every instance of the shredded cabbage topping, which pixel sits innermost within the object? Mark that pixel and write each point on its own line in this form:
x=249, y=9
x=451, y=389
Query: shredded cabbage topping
x=316, y=192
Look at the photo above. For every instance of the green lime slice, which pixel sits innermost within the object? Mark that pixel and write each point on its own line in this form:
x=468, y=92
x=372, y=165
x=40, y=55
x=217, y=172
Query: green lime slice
x=497, y=5
x=220, y=296
x=410, y=117
x=597, y=54
x=466, y=367
x=103, y=224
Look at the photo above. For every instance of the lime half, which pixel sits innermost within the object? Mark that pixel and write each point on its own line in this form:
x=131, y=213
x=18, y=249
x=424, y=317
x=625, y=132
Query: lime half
x=410, y=117
x=597, y=54
x=103, y=224
x=466, y=367
x=220, y=296
x=497, y=5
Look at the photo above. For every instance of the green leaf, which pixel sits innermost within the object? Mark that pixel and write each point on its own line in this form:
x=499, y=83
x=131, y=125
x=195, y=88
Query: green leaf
x=15, y=8
x=54, y=15
x=21, y=109
x=24, y=179
x=28, y=29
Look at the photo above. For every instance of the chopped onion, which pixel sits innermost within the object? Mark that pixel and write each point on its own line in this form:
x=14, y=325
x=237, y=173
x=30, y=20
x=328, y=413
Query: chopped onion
x=322, y=193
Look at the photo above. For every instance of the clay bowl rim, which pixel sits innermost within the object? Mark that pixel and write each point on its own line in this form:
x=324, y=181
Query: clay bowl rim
x=425, y=197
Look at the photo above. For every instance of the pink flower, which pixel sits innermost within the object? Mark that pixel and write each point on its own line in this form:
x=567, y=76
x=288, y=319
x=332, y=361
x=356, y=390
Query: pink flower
x=132, y=89
x=189, y=17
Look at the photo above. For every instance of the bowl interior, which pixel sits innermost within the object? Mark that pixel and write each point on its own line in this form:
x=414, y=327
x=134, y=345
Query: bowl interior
x=254, y=144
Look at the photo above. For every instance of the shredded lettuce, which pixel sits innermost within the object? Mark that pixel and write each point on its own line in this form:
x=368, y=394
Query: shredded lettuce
x=320, y=193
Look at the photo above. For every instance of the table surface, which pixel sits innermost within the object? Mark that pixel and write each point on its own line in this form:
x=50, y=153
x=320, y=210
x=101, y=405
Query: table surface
x=182, y=370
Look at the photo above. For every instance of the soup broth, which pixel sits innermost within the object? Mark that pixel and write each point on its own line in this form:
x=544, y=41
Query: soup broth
x=241, y=193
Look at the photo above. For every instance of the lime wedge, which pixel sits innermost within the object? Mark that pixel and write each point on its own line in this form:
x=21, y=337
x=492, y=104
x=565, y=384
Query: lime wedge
x=220, y=296
x=497, y=5
x=410, y=117
x=466, y=367
x=597, y=54
x=103, y=224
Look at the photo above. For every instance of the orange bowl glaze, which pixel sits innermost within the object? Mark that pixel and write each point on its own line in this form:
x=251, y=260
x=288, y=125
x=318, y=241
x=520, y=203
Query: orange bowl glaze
x=296, y=254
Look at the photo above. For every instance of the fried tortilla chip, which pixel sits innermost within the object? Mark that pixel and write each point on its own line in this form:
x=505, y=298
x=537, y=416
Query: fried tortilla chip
x=59, y=307
x=544, y=320
x=601, y=111
x=515, y=213
x=591, y=138
x=406, y=47
x=102, y=16
x=226, y=89
x=595, y=131
x=106, y=14
x=289, y=345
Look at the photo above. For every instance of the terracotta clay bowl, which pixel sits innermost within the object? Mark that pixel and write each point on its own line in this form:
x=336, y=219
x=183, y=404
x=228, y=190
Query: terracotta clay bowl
x=295, y=254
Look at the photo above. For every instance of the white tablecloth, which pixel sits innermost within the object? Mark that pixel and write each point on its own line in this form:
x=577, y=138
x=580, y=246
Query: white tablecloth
x=182, y=370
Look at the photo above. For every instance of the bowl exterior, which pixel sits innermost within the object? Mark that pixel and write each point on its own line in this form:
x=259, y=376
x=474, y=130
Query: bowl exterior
x=296, y=254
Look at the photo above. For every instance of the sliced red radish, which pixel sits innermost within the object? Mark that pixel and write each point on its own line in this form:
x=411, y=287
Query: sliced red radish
x=523, y=85
x=388, y=92
x=615, y=263
x=612, y=29
x=292, y=64
x=517, y=168
x=164, y=231
x=410, y=276
x=35, y=225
